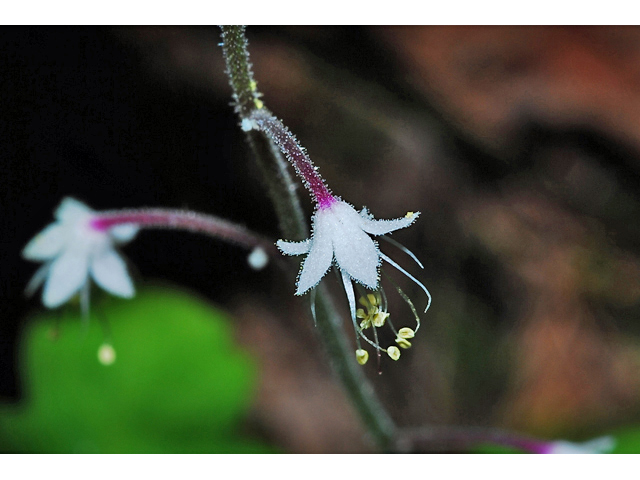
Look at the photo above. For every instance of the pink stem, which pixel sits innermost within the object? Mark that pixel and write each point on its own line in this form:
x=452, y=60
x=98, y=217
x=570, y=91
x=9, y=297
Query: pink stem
x=303, y=165
x=183, y=220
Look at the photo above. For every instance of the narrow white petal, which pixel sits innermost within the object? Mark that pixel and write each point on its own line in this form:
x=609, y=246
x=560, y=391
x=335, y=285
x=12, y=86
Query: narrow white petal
x=110, y=272
x=380, y=227
x=46, y=244
x=67, y=275
x=316, y=264
x=71, y=210
x=294, y=248
x=351, y=297
x=124, y=233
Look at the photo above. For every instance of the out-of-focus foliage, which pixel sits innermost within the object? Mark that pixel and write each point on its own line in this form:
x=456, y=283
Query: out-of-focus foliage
x=179, y=383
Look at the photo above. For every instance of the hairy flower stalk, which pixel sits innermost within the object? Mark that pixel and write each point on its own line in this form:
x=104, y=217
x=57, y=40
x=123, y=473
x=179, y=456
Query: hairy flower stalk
x=342, y=237
x=82, y=243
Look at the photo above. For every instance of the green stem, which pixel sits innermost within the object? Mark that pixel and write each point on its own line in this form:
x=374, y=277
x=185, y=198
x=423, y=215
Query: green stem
x=234, y=47
x=283, y=193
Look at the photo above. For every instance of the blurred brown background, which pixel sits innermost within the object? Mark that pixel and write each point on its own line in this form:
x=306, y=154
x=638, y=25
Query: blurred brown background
x=521, y=148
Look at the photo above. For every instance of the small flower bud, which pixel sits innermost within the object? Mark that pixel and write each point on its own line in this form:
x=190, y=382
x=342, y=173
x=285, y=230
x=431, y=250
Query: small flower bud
x=393, y=352
x=406, y=332
x=258, y=259
x=362, y=356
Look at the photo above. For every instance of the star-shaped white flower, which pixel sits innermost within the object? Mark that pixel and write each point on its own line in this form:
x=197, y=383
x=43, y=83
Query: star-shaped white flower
x=73, y=250
x=596, y=445
x=342, y=235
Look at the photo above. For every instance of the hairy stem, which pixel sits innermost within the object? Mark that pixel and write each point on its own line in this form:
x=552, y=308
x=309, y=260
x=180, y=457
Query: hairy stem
x=184, y=220
x=297, y=155
x=283, y=194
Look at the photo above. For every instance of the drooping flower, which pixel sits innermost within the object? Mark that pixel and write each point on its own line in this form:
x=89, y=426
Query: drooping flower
x=81, y=244
x=74, y=251
x=342, y=237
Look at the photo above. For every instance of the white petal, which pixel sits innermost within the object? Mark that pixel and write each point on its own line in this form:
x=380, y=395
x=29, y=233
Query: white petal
x=71, y=210
x=124, y=233
x=294, y=248
x=67, y=275
x=110, y=272
x=380, y=227
x=47, y=244
x=597, y=445
x=355, y=252
x=358, y=255
x=316, y=264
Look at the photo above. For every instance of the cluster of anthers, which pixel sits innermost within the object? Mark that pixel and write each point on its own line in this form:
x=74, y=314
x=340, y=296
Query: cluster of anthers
x=374, y=315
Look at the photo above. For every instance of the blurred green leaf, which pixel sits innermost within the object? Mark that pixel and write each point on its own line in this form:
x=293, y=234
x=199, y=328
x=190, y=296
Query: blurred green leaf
x=627, y=440
x=179, y=383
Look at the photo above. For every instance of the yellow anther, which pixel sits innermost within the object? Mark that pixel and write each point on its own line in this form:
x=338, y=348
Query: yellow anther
x=403, y=342
x=379, y=319
x=371, y=300
x=409, y=215
x=106, y=354
x=406, y=332
x=362, y=356
x=371, y=313
x=393, y=352
x=258, y=103
x=253, y=85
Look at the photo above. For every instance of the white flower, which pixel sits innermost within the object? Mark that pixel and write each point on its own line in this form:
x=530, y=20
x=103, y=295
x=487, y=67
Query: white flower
x=73, y=250
x=596, y=445
x=341, y=234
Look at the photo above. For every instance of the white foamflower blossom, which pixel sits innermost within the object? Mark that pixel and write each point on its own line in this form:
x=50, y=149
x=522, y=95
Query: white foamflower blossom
x=341, y=236
x=73, y=250
x=597, y=445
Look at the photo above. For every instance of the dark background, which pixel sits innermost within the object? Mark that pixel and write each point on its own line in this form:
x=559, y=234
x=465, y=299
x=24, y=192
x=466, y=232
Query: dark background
x=518, y=145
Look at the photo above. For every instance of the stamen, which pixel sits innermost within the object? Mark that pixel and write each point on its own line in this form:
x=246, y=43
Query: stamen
x=84, y=302
x=416, y=281
x=312, y=297
x=406, y=298
x=403, y=248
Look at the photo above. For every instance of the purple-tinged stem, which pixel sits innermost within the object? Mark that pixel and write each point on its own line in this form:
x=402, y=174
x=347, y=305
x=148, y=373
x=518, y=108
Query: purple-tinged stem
x=183, y=220
x=455, y=438
x=286, y=141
